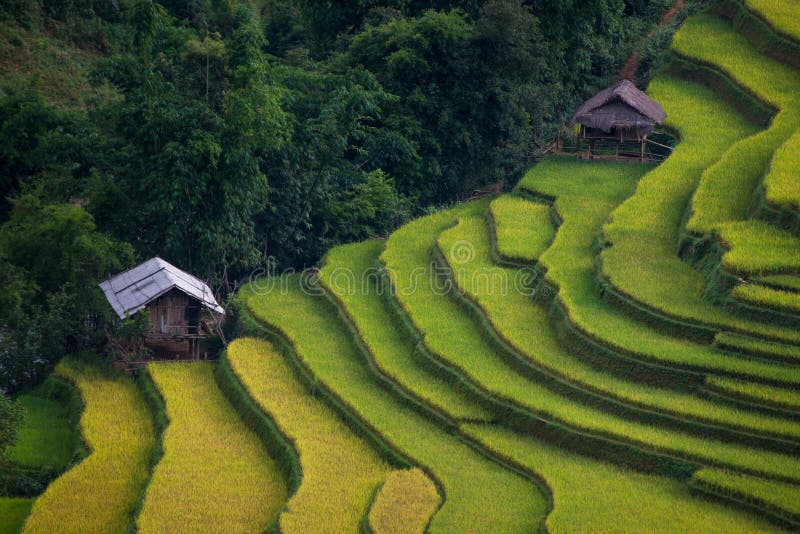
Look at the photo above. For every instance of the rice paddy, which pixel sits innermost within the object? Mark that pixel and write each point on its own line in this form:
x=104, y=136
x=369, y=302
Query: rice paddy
x=766, y=297
x=544, y=360
x=759, y=393
x=757, y=248
x=215, y=473
x=781, y=183
x=405, y=503
x=523, y=229
x=100, y=493
x=449, y=333
x=350, y=273
x=643, y=230
x=503, y=501
x=591, y=496
x=525, y=326
x=340, y=471
x=785, y=16
x=584, y=203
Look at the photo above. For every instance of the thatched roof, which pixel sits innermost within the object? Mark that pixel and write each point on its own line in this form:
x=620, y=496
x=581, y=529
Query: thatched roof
x=620, y=106
x=132, y=290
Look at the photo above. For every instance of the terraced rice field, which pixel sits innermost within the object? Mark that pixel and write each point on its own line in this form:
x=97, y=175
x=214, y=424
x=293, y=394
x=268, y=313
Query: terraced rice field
x=340, y=471
x=215, y=473
x=644, y=229
x=607, y=348
x=100, y=494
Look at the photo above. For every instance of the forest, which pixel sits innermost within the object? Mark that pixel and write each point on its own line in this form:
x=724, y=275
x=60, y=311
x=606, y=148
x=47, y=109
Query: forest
x=230, y=135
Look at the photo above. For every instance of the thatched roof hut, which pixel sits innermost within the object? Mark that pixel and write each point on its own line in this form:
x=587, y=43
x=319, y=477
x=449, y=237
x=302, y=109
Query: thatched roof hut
x=620, y=115
x=620, y=107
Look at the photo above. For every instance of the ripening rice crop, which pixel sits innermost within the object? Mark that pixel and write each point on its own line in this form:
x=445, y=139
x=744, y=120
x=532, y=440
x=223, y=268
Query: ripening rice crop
x=766, y=297
x=758, y=393
x=215, y=475
x=451, y=333
x=340, y=470
x=752, y=345
x=755, y=247
x=100, y=493
x=782, y=184
x=523, y=228
x=405, y=503
x=502, y=501
x=785, y=16
x=592, y=496
x=515, y=316
x=349, y=272
x=584, y=203
x=777, y=496
x=643, y=231
x=786, y=282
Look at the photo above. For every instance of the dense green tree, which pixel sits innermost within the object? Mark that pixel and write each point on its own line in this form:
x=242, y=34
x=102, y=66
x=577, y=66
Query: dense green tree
x=53, y=258
x=10, y=420
x=331, y=156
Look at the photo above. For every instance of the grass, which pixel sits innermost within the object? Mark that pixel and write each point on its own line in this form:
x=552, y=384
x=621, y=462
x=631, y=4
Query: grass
x=37, y=59
x=525, y=326
x=405, y=503
x=591, y=496
x=584, y=202
x=100, y=494
x=340, y=470
x=643, y=231
x=784, y=16
x=13, y=511
x=774, y=396
x=523, y=228
x=451, y=335
x=784, y=498
x=46, y=438
x=502, y=502
x=215, y=474
x=349, y=272
x=757, y=248
x=780, y=281
x=766, y=297
x=781, y=185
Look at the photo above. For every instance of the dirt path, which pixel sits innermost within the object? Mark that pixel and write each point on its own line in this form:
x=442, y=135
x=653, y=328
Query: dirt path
x=628, y=72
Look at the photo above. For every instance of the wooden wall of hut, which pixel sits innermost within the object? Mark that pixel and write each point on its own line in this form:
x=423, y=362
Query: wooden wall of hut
x=174, y=315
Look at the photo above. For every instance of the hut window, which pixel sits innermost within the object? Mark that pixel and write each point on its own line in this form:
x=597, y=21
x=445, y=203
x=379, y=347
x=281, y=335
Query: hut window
x=163, y=322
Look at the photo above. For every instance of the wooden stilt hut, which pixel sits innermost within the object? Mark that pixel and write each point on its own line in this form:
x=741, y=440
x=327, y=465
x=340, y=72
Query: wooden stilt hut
x=616, y=122
x=182, y=309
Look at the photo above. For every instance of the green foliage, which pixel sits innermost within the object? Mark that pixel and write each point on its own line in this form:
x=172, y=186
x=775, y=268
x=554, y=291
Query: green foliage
x=13, y=511
x=55, y=257
x=11, y=414
x=46, y=437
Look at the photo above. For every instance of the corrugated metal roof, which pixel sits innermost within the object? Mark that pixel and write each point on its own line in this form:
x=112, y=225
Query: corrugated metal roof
x=627, y=93
x=131, y=290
